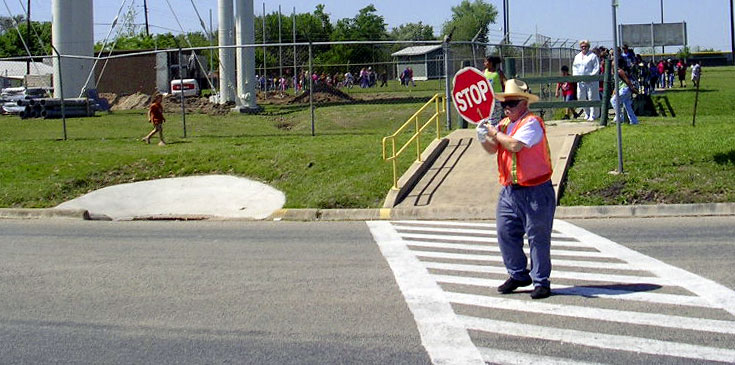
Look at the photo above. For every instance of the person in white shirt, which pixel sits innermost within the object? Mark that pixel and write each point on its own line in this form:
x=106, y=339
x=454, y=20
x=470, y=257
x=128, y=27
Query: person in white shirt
x=696, y=72
x=587, y=63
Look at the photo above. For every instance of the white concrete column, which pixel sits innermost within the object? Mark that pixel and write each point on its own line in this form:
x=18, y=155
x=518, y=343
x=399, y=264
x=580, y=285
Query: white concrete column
x=72, y=33
x=245, y=20
x=227, y=81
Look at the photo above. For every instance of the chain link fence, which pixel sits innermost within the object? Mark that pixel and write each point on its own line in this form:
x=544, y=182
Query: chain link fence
x=303, y=87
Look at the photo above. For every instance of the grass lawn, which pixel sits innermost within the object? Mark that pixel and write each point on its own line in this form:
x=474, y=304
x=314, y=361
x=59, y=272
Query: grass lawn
x=665, y=158
x=341, y=166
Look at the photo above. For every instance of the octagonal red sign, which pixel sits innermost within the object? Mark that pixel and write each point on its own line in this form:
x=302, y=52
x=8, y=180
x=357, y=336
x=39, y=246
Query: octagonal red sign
x=472, y=95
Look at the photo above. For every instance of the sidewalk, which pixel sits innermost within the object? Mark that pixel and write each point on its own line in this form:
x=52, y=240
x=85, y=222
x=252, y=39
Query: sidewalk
x=464, y=178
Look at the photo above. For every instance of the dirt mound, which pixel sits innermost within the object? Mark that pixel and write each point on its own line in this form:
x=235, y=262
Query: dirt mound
x=322, y=94
x=135, y=101
x=171, y=104
x=111, y=97
x=196, y=105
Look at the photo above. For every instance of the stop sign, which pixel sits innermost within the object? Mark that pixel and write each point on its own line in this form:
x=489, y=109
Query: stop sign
x=472, y=94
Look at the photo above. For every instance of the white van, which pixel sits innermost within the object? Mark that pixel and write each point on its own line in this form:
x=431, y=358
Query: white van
x=191, y=87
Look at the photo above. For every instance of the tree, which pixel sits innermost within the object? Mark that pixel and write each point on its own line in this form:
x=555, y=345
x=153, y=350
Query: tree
x=315, y=27
x=413, y=32
x=128, y=28
x=141, y=41
x=469, y=18
x=367, y=25
x=11, y=44
x=684, y=53
x=8, y=23
x=323, y=18
x=700, y=49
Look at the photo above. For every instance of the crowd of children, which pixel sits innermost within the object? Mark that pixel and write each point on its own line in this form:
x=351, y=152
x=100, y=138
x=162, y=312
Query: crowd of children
x=367, y=77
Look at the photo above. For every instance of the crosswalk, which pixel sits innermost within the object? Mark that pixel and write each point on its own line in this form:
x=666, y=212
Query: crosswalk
x=610, y=304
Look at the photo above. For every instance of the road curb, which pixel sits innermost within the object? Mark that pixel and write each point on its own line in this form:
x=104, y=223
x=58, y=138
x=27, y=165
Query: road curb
x=659, y=210
x=488, y=213
x=294, y=215
x=37, y=213
x=423, y=213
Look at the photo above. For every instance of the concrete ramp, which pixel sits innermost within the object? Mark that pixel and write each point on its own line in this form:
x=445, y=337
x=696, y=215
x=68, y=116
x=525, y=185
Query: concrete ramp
x=463, y=179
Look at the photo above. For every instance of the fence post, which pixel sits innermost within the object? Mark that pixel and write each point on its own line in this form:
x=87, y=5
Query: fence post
x=523, y=61
x=605, y=94
x=265, y=68
x=618, y=114
x=696, y=100
x=447, y=89
x=311, y=91
x=61, y=91
x=181, y=87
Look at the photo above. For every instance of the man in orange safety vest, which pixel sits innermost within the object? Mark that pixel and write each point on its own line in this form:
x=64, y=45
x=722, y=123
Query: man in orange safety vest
x=526, y=203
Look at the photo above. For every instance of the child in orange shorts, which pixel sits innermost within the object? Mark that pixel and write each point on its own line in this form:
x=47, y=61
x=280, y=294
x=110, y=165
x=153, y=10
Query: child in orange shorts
x=155, y=116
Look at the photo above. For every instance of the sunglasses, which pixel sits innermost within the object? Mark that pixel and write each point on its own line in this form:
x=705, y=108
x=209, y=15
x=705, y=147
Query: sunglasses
x=510, y=103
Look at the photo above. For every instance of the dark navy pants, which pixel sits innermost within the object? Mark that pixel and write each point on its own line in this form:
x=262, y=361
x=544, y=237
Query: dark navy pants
x=526, y=211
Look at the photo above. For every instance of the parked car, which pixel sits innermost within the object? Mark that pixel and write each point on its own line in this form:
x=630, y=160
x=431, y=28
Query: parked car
x=191, y=87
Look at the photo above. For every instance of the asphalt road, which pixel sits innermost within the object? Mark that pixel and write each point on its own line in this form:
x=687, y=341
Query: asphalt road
x=702, y=245
x=199, y=292
x=286, y=292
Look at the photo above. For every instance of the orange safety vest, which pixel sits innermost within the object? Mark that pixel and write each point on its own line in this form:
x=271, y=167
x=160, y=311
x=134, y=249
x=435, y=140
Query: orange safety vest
x=529, y=166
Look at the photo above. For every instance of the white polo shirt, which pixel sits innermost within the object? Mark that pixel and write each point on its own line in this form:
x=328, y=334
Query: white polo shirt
x=529, y=134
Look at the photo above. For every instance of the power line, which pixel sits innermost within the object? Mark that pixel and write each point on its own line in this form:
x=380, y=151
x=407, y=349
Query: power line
x=102, y=49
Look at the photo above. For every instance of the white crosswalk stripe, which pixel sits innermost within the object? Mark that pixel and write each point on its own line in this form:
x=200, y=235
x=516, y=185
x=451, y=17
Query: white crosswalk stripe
x=519, y=358
x=600, y=340
x=558, y=274
x=459, y=264
x=590, y=292
x=495, y=248
x=421, y=236
x=497, y=258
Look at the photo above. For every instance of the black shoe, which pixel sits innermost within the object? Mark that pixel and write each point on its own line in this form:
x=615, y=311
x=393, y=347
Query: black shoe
x=540, y=292
x=512, y=284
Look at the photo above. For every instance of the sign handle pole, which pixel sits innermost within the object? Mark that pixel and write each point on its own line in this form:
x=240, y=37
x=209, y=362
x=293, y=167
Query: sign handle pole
x=480, y=112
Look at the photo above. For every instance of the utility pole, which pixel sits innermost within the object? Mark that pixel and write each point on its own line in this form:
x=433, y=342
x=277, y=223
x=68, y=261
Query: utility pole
x=293, y=28
x=732, y=35
x=265, y=69
x=506, y=21
x=211, y=43
x=280, y=50
x=28, y=35
x=145, y=11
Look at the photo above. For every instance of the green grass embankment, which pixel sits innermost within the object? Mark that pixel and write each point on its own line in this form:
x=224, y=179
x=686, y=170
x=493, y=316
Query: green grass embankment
x=341, y=166
x=665, y=158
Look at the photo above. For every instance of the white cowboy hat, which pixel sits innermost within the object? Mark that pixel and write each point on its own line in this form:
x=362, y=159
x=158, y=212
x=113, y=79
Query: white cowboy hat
x=515, y=88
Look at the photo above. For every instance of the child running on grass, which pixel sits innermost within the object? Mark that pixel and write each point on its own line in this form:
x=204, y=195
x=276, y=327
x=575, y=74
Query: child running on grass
x=155, y=116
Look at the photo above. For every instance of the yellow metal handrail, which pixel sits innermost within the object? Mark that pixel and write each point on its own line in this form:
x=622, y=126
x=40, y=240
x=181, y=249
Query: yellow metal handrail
x=439, y=109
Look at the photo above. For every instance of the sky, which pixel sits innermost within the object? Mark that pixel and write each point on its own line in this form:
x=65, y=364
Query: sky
x=708, y=21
